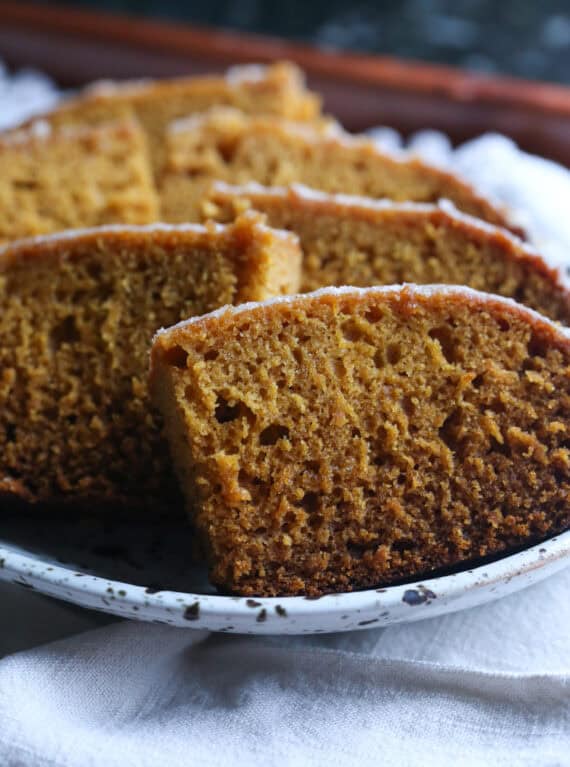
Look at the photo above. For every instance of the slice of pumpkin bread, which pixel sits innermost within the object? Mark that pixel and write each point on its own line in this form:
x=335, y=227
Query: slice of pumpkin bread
x=78, y=312
x=227, y=145
x=70, y=178
x=348, y=438
x=278, y=89
x=358, y=241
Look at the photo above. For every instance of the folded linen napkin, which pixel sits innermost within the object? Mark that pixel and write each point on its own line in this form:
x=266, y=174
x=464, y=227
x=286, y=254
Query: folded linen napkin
x=485, y=686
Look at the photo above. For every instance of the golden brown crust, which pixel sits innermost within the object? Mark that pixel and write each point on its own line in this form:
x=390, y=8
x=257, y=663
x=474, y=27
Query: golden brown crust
x=348, y=438
x=78, y=311
x=406, y=297
x=350, y=240
x=235, y=199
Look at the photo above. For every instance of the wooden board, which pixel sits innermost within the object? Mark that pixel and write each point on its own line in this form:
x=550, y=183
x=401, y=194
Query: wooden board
x=76, y=47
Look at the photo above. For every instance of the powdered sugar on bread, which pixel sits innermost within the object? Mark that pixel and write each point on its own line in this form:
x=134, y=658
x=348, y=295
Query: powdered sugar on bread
x=420, y=291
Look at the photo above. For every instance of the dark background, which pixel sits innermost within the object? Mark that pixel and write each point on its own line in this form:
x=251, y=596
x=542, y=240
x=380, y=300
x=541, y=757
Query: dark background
x=526, y=38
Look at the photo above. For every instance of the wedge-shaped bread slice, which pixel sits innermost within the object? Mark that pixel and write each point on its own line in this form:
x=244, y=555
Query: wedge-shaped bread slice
x=278, y=89
x=70, y=178
x=226, y=145
x=357, y=241
x=78, y=312
x=349, y=438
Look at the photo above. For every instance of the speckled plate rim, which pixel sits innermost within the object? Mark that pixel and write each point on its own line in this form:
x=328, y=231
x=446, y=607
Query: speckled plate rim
x=289, y=615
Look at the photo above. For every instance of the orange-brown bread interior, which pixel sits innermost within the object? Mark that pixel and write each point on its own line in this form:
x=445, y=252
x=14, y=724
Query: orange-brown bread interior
x=278, y=89
x=226, y=145
x=77, y=317
x=355, y=241
x=337, y=442
x=74, y=177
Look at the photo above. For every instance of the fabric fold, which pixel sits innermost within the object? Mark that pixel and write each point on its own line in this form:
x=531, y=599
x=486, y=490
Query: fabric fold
x=131, y=694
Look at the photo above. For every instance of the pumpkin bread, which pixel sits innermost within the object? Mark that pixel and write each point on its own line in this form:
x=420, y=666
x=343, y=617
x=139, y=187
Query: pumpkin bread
x=349, y=438
x=278, y=89
x=78, y=312
x=358, y=241
x=224, y=144
x=53, y=179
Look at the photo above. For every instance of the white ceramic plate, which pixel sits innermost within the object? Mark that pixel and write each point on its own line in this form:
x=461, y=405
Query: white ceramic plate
x=141, y=575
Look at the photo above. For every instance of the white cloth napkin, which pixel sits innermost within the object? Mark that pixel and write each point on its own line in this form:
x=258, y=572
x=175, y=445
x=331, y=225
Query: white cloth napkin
x=489, y=686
